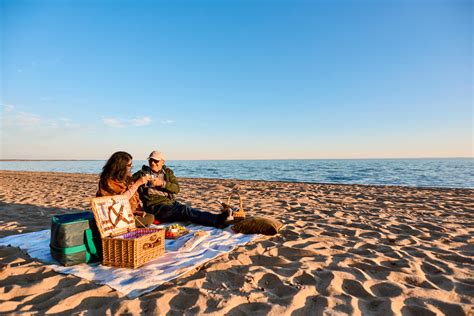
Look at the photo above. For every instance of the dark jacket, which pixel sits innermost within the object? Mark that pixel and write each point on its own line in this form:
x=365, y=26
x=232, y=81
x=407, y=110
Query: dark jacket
x=152, y=196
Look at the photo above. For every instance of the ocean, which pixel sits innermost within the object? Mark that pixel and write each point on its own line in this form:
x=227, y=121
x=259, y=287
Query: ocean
x=454, y=173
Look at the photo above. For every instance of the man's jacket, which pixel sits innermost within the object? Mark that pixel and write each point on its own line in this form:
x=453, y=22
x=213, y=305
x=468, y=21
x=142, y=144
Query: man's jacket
x=152, y=196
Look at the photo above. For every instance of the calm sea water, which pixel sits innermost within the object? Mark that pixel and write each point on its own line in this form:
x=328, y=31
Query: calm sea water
x=408, y=172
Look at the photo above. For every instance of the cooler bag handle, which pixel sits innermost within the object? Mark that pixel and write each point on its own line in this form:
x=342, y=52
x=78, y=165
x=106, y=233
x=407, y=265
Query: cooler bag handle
x=90, y=245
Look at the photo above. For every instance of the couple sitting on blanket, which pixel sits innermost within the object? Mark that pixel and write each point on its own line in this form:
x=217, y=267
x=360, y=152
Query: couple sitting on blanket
x=155, y=185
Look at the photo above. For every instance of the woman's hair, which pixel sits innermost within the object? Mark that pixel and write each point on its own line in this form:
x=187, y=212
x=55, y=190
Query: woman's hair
x=116, y=167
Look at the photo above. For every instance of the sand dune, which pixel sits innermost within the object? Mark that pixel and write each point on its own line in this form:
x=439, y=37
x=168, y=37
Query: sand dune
x=345, y=249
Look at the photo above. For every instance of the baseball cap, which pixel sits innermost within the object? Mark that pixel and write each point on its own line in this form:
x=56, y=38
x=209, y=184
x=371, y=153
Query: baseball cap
x=156, y=155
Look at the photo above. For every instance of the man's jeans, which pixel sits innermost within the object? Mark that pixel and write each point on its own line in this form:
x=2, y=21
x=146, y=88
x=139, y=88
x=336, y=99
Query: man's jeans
x=178, y=212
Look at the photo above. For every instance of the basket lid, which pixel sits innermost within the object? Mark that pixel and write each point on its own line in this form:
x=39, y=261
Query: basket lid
x=113, y=215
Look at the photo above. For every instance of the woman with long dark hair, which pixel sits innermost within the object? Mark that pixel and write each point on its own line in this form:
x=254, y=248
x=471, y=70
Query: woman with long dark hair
x=116, y=178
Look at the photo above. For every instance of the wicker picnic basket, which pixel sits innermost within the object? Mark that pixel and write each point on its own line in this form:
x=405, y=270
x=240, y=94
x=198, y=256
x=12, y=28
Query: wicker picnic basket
x=124, y=245
x=240, y=214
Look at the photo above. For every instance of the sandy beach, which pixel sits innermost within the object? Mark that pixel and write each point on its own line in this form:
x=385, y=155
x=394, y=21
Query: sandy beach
x=345, y=249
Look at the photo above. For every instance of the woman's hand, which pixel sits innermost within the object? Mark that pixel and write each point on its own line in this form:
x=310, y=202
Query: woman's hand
x=134, y=187
x=143, y=180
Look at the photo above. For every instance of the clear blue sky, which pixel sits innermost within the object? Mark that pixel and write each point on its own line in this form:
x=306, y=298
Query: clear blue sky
x=236, y=79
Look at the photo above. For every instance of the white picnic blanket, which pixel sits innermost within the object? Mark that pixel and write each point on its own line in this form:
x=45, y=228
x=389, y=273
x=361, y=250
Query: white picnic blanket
x=179, y=258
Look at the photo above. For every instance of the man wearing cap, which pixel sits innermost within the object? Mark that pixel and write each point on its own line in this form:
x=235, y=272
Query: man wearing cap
x=158, y=196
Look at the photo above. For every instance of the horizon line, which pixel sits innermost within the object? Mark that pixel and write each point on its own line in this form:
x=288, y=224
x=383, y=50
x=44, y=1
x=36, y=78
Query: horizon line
x=242, y=159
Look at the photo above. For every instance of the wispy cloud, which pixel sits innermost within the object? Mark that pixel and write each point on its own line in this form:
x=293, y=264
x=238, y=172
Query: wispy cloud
x=36, y=64
x=68, y=123
x=46, y=99
x=27, y=121
x=23, y=120
x=167, y=122
x=8, y=108
x=141, y=121
x=113, y=122
x=116, y=122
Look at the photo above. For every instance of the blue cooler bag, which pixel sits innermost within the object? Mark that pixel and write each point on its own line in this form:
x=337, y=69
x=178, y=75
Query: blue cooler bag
x=75, y=239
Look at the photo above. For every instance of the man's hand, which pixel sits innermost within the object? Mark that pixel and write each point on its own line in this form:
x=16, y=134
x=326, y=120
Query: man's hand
x=158, y=182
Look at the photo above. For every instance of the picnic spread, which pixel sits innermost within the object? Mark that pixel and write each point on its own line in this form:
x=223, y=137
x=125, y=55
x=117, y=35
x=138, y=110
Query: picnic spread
x=134, y=260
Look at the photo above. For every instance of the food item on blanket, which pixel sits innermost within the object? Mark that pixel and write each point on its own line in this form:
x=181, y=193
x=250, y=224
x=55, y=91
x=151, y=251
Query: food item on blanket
x=175, y=231
x=176, y=228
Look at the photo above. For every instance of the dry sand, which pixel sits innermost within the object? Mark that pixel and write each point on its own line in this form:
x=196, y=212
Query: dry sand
x=345, y=249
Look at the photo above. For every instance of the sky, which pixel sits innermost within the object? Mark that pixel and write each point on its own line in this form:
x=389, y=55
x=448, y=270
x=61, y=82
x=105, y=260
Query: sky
x=236, y=79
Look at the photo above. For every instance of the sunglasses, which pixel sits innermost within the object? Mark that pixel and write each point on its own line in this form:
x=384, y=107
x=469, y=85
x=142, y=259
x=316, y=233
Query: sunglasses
x=154, y=161
x=129, y=165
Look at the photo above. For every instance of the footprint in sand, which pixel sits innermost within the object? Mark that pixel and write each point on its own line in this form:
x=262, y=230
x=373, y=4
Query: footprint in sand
x=386, y=289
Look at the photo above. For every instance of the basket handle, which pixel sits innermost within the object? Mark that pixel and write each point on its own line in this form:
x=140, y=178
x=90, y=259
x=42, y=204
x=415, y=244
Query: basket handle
x=241, y=207
x=240, y=214
x=154, y=242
